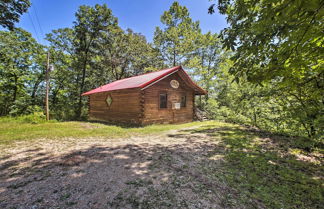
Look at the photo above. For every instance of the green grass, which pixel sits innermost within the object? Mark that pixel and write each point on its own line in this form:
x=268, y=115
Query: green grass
x=263, y=175
x=259, y=173
x=14, y=129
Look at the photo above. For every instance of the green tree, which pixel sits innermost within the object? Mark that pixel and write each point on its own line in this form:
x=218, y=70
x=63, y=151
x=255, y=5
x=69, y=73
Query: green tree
x=21, y=71
x=177, y=39
x=11, y=10
x=272, y=38
x=124, y=54
x=63, y=89
x=87, y=56
x=280, y=44
x=90, y=23
x=205, y=59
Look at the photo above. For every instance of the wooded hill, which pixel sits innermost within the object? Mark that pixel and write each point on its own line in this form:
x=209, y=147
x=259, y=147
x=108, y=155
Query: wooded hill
x=264, y=70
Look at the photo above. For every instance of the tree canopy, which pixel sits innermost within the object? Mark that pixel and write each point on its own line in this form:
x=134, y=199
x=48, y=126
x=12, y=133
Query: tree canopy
x=279, y=44
x=275, y=39
x=177, y=39
x=11, y=10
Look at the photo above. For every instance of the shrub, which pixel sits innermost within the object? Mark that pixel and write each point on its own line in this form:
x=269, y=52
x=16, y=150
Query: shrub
x=36, y=117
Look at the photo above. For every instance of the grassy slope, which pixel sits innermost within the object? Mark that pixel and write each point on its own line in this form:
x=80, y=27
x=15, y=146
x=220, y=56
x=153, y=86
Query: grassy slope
x=272, y=171
x=12, y=130
x=262, y=170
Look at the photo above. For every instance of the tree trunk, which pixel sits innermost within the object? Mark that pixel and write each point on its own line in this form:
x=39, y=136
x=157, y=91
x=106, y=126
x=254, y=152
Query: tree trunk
x=35, y=88
x=174, y=58
x=15, y=88
x=312, y=131
x=79, y=110
x=254, y=118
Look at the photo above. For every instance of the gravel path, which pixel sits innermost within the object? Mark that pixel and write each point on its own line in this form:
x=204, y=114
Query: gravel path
x=170, y=170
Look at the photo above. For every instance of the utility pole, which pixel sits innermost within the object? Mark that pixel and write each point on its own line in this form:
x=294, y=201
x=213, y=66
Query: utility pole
x=47, y=86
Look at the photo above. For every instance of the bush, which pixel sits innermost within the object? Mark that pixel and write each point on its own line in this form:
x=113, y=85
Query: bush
x=218, y=112
x=36, y=117
x=30, y=114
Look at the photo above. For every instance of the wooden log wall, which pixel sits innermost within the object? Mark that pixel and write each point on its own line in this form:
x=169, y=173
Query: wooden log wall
x=138, y=106
x=152, y=112
x=125, y=107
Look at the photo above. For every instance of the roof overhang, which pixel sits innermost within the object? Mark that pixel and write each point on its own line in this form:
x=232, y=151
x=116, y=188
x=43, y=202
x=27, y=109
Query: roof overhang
x=154, y=82
x=185, y=77
x=198, y=90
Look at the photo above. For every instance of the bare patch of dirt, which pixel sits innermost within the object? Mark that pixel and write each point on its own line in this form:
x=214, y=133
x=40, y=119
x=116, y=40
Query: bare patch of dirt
x=171, y=170
x=88, y=126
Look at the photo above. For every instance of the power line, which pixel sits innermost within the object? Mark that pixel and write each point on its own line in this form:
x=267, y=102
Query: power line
x=33, y=27
x=37, y=19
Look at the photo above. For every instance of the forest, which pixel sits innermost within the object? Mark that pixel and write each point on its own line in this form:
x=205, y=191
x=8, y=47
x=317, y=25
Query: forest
x=260, y=144
x=264, y=70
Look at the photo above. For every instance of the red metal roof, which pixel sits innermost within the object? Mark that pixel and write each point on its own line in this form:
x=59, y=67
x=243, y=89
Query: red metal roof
x=140, y=81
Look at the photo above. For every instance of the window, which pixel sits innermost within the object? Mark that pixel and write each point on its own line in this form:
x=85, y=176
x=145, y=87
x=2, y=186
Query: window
x=183, y=101
x=163, y=100
x=109, y=100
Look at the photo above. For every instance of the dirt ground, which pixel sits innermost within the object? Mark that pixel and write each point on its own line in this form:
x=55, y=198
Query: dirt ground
x=185, y=168
x=158, y=171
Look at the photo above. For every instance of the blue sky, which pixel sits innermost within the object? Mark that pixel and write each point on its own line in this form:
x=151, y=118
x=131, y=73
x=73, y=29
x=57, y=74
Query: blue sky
x=140, y=15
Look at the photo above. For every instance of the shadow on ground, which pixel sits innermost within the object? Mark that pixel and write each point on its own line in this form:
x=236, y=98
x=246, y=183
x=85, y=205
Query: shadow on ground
x=270, y=168
x=128, y=176
x=210, y=167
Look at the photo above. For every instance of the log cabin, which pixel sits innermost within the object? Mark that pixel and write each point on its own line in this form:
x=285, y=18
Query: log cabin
x=165, y=96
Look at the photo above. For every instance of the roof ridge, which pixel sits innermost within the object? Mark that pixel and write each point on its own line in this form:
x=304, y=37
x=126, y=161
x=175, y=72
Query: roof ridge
x=150, y=72
x=139, y=75
x=139, y=81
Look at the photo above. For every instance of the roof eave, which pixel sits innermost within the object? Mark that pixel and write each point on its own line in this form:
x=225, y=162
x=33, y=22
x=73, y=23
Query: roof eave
x=198, y=90
x=161, y=77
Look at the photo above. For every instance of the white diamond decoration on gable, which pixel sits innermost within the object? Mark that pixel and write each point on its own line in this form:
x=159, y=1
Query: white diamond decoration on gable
x=109, y=100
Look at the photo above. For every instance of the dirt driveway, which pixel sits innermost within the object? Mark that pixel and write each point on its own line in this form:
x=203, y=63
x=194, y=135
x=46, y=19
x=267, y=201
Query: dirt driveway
x=170, y=170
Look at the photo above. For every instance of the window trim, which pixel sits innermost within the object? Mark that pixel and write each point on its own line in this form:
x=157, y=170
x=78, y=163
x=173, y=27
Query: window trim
x=159, y=104
x=185, y=103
